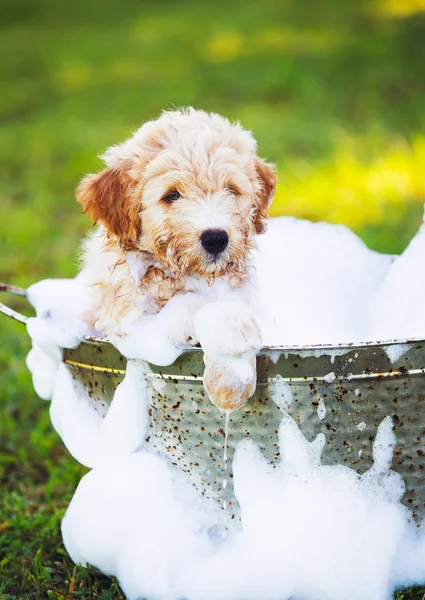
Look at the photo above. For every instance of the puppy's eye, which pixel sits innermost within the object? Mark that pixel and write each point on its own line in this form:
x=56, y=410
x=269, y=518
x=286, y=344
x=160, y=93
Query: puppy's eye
x=232, y=189
x=172, y=196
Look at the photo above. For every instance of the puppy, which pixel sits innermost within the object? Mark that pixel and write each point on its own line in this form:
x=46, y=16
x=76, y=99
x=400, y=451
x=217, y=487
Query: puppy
x=179, y=205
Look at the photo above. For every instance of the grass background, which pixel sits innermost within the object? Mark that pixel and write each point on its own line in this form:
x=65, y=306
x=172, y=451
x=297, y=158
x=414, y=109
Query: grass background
x=335, y=94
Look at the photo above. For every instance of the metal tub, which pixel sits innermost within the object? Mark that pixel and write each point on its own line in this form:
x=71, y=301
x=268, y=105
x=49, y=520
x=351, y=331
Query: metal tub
x=365, y=387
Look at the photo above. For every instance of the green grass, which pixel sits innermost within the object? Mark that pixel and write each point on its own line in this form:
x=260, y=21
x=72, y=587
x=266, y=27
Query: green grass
x=79, y=76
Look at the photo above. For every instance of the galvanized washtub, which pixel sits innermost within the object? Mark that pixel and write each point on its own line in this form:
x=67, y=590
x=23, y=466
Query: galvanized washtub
x=358, y=386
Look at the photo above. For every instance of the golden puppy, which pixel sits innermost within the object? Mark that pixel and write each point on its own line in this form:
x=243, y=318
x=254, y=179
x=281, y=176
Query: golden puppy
x=179, y=205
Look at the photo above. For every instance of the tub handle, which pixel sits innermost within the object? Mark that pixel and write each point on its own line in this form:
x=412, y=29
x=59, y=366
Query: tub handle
x=9, y=312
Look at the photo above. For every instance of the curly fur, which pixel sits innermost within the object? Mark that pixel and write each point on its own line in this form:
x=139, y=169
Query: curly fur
x=147, y=249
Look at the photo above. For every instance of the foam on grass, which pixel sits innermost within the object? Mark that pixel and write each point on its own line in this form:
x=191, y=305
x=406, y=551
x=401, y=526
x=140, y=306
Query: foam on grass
x=308, y=531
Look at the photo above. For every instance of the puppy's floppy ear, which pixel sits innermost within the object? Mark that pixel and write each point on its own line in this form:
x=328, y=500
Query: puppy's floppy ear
x=267, y=180
x=108, y=199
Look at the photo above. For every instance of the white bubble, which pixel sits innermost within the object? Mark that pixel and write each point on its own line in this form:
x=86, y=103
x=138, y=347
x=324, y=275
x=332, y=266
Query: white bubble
x=329, y=377
x=321, y=409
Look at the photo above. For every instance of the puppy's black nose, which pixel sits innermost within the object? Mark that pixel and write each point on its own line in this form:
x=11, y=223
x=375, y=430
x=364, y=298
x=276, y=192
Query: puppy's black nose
x=214, y=240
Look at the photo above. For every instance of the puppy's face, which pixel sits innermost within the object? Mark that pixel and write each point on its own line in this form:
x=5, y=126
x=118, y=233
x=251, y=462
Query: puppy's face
x=188, y=188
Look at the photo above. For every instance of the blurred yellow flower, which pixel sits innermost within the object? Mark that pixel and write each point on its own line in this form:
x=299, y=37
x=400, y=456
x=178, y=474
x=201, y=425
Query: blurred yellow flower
x=123, y=70
x=286, y=39
x=73, y=76
x=348, y=190
x=224, y=46
x=398, y=8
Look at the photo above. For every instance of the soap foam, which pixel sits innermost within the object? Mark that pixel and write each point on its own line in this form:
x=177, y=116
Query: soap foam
x=309, y=531
x=398, y=308
x=280, y=392
x=316, y=282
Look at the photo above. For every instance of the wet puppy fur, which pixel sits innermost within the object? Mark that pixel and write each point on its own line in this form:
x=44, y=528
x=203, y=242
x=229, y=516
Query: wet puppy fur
x=179, y=203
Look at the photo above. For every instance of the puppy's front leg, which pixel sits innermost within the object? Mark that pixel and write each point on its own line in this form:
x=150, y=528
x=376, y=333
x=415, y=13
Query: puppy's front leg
x=230, y=338
x=160, y=338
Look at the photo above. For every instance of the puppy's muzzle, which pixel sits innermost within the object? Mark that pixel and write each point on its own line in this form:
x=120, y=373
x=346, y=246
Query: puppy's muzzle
x=214, y=241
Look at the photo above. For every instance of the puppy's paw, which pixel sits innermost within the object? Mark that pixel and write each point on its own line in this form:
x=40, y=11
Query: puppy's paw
x=227, y=329
x=230, y=383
